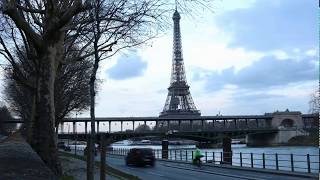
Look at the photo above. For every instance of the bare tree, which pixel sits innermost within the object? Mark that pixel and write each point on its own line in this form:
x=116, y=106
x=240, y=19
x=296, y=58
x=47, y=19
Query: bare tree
x=48, y=29
x=40, y=25
x=314, y=103
x=71, y=91
x=119, y=24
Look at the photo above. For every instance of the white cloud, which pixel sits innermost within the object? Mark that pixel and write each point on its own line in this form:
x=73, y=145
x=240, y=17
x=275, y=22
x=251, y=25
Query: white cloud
x=223, y=6
x=205, y=46
x=311, y=52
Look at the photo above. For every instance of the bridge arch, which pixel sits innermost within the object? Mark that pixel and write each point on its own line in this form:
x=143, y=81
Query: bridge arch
x=287, y=120
x=287, y=123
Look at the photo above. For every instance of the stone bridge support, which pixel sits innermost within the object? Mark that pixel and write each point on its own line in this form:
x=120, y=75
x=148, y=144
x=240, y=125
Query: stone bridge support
x=227, y=152
x=289, y=125
x=165, y=148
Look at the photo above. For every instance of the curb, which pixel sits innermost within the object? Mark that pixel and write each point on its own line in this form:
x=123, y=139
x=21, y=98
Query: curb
x=270, y=171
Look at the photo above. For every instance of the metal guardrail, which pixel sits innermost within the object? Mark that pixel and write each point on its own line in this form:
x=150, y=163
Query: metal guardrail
x=308, y=163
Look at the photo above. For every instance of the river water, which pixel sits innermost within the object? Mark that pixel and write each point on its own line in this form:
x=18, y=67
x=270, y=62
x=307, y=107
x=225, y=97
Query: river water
x=283, y=158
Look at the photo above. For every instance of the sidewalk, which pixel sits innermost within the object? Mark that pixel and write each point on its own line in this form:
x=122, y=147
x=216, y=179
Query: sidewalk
x=19, y=161
x=77, y=169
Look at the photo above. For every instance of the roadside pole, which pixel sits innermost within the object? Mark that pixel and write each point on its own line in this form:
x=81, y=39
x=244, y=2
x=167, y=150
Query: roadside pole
x=103, y=157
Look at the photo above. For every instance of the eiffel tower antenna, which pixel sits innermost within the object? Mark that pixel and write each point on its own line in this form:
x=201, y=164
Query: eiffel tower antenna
x=179, y=101
x=176, y=4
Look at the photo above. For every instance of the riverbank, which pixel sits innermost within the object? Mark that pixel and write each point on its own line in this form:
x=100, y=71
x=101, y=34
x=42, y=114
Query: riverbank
x=304, y=141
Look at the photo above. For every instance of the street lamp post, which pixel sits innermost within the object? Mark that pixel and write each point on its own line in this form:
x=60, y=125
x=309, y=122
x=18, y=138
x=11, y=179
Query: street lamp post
x=76, y=135
x=68, y=133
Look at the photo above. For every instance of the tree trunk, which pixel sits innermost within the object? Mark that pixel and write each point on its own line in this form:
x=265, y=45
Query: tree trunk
x=43, y=140
x=97, y=34
x=31, y=118
x=43, y=135
x=92, y=115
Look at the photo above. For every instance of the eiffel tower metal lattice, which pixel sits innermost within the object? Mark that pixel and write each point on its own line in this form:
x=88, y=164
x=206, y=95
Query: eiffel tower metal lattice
x=179, y=101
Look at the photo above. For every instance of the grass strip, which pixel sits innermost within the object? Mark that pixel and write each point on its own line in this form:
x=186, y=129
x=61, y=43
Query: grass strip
x=65, y=177
x=109, y=170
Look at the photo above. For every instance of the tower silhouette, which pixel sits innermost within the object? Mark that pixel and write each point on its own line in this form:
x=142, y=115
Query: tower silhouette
x=179, y=101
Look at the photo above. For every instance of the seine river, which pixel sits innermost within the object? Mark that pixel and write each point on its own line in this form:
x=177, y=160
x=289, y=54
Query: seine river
x=284, y=154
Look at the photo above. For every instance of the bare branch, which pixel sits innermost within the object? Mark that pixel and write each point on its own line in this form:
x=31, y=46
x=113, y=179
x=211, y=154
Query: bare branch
x=40, y=11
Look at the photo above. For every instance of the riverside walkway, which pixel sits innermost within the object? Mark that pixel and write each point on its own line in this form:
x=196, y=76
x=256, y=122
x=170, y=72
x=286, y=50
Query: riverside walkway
x=19, y=161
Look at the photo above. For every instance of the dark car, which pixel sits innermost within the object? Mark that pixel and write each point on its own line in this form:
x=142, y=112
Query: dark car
x=140, y=157
x=67, y=148
x=62, y=145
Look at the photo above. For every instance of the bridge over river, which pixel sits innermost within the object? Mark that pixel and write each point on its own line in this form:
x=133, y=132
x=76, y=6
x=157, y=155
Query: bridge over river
x=268, y=129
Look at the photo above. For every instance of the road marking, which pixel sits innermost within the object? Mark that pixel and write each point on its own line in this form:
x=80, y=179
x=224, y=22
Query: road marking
x=216, y=173
x=203, y=171
x=157, y=174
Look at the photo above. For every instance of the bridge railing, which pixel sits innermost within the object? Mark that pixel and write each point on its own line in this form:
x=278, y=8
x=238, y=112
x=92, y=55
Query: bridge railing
x=308, y=163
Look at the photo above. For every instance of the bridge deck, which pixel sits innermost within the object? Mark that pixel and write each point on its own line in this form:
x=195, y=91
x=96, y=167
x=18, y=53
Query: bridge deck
x=119, y=119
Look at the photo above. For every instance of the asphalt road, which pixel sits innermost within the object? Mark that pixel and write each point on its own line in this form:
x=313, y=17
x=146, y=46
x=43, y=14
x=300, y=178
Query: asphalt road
x=175, y=171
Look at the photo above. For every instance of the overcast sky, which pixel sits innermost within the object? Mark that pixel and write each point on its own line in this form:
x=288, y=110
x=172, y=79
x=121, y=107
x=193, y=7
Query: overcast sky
x=248, y=57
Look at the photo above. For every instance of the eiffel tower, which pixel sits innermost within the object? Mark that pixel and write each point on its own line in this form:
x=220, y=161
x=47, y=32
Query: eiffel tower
x=179, y=101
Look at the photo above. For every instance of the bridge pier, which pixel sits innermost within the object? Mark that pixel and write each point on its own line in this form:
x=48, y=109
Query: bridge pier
x=121, y=126
x=109, y=126
x=132, y=125
x=202, y=123
x=86, y=127
x=157, y=125
x=97, y=126
x=227, y=152
x=260, y=139
x=74, y=127
x=61, y=128
x=165, y=148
